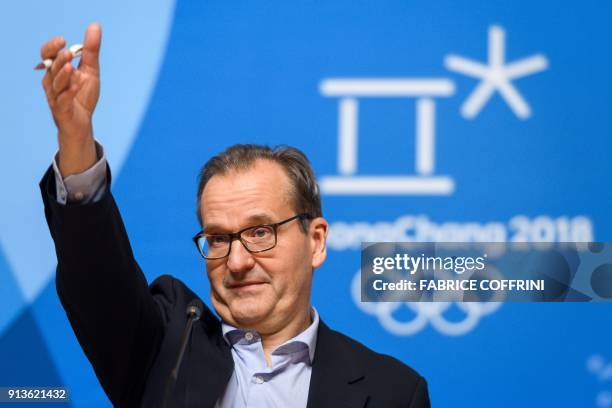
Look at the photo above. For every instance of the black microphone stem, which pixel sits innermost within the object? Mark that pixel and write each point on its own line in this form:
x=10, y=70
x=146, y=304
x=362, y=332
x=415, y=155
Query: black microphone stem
x=193, y=314
x=179, y=360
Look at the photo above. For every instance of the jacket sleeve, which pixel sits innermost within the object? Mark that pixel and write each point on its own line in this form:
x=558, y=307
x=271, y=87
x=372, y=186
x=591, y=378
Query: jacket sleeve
x=116, y=320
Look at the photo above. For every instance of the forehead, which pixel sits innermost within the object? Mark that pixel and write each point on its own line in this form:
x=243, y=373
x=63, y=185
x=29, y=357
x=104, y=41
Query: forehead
x=235, y=199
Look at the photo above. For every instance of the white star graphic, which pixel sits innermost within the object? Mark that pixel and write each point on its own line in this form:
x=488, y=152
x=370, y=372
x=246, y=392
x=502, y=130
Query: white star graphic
x=496, y=76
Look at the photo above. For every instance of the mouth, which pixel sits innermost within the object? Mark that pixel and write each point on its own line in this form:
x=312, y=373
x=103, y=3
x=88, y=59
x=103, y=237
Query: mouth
x=245, y=285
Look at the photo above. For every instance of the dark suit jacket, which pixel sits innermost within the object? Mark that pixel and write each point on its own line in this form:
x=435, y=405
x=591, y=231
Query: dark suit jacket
x=130, y=331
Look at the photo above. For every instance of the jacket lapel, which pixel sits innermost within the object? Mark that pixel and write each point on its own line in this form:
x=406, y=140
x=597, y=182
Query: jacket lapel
x=337, y=377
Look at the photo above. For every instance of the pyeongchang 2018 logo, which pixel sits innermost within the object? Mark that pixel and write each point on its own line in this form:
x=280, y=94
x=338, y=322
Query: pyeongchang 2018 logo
x=496, y=75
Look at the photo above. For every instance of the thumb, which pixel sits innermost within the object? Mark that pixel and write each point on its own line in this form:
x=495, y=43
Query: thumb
x=91, y=49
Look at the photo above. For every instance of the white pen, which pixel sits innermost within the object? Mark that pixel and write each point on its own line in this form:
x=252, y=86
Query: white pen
x=76, y=50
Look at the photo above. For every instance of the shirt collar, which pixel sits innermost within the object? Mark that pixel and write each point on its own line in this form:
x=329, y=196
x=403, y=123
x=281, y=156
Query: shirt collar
x=308, y=337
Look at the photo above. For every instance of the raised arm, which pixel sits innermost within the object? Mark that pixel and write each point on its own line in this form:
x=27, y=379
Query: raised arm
x=118, y=322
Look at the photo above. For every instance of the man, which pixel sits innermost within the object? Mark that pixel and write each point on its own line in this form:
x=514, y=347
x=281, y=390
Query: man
x=262, y=237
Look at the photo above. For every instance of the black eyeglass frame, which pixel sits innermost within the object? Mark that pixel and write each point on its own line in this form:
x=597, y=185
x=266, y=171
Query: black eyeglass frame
x=237, y=235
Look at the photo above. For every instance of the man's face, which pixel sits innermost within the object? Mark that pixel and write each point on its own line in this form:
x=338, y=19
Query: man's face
x=265, y=290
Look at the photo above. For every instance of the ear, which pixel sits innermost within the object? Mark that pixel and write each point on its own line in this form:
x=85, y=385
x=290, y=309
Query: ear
x=317, y=233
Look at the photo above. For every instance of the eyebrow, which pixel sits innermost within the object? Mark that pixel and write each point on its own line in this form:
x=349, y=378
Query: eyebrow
x=251, y=221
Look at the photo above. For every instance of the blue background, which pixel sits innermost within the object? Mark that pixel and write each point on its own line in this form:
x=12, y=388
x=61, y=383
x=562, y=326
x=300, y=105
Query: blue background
x=182, y=81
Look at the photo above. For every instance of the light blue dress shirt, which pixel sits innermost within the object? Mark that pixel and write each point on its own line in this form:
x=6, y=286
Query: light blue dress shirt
x=284, y=384
x=253, y=383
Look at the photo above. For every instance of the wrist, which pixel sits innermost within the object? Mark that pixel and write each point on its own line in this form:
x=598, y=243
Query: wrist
x=76, y=156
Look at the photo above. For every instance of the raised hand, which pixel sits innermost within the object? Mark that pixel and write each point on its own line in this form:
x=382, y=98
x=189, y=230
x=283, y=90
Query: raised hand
x=72, y=95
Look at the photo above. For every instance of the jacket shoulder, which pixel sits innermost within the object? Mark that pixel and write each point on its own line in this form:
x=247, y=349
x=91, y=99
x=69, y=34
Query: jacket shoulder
x=377, y=361
x=172, y=297
x=387, y=380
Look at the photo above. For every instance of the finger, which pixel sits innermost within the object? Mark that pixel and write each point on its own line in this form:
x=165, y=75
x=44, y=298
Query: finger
x=63, y=103
x=52, y=95
x=60, y=61
x=51, y=47
x=62, y=79
x=47, y=82
x=91, y=49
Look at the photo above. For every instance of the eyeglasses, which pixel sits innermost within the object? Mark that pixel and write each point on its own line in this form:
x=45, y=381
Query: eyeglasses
x=255, y=239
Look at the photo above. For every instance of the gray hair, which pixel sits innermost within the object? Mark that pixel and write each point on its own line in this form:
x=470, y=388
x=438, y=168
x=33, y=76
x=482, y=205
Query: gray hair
x=304, y=194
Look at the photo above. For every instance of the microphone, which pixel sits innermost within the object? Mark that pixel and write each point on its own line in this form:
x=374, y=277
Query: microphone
x=194, y=311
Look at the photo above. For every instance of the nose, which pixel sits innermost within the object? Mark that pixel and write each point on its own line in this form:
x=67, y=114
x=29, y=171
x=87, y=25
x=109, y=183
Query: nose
x=239, y=259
